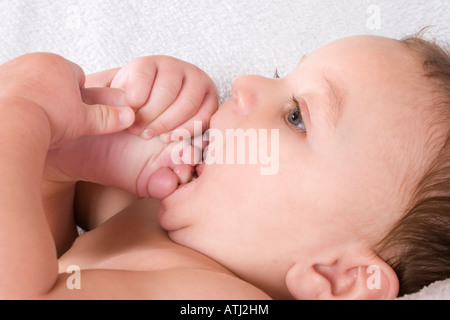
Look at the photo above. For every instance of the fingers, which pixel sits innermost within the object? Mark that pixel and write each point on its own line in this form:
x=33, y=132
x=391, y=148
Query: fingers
x=169, y=86
x=105, y=111
x=208, y=108
x=79, y=74
x=166, y=93
x=136, y=79
x=108, y=96
x=101, y=79
x=103, y=119
x=192, y=104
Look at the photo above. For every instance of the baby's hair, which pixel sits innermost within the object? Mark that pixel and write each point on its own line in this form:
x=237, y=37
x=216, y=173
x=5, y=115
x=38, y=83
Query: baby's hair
x=418, y=247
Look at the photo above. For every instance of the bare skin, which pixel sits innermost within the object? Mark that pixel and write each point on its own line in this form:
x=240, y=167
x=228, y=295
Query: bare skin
x=132, y=249
x=317, y=231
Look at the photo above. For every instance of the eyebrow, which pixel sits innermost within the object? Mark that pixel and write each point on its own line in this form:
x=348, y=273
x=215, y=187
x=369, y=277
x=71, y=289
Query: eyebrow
x=336, y=101
x=335, y=98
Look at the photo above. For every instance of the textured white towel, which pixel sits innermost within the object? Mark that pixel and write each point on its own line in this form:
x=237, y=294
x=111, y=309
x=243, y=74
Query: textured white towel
x=440, y=290
x=226, y=38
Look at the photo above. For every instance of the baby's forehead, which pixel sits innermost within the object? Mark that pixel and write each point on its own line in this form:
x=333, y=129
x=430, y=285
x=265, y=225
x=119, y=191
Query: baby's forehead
x=359, y=51
x=366, y=70
x=371, y=63
x=387, y=100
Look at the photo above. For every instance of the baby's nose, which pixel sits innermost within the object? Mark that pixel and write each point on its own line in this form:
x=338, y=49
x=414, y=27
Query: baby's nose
x=249, y=90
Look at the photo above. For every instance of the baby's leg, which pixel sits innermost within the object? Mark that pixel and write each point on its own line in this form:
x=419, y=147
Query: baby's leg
x=140, y=167
x=57, y=200
x=120, y=160
x=146, y=168
x=94, y=203
x=117, y=160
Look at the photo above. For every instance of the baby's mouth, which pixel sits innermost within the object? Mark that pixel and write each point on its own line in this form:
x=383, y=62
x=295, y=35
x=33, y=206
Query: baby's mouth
x=188, y=179
x=199, y=169
x=193, y=154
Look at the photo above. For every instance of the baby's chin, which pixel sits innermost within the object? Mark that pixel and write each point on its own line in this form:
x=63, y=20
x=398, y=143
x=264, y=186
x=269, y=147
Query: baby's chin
x=175, y=209
x=185, y=189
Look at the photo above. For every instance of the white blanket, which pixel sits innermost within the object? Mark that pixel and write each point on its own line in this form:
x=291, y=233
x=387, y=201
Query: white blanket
x=226, y=38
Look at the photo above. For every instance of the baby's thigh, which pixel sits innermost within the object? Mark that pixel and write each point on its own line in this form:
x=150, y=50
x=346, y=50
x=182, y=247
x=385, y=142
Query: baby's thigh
x=95, y=204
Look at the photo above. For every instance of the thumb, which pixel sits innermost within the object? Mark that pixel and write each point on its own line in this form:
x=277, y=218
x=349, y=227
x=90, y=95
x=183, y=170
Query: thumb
x=104, y=119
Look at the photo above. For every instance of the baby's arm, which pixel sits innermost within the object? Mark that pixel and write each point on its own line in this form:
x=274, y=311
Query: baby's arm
x=27, y=252
x=40, y=109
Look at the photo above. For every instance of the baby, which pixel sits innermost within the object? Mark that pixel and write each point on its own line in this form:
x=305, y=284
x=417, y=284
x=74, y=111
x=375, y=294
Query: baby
x=356, y=209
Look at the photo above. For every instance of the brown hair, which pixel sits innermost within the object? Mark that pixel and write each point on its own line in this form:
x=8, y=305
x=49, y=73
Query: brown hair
x=418, y=247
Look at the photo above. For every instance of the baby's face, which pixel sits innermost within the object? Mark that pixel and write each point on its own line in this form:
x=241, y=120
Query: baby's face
x=343, y=160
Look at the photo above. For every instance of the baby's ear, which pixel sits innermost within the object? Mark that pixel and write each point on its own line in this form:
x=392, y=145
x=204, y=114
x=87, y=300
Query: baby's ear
x=351, y=277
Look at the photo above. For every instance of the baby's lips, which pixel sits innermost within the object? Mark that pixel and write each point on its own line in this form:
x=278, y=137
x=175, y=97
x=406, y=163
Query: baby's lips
x=199, y=169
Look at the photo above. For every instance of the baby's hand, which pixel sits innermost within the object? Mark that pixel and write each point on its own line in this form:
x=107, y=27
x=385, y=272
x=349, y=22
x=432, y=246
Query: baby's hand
x=52, y=89
x=166, y=93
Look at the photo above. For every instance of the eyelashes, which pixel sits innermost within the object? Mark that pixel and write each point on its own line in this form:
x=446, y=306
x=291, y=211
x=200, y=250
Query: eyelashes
x=276, y=75
x=294, y=117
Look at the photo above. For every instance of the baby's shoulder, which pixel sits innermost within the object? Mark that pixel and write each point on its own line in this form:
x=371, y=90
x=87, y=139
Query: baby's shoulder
x=170, y=284
x=215, y=285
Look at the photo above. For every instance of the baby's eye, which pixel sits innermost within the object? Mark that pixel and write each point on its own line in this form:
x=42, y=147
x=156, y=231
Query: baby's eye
x=295, y=118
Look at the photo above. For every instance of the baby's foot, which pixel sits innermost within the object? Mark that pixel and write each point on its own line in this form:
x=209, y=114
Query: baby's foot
x=142, y=167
